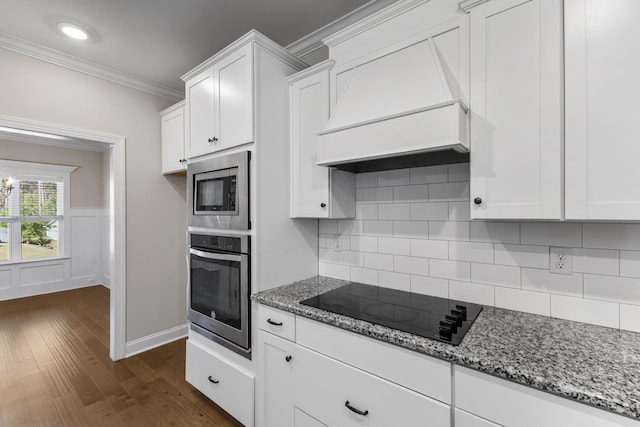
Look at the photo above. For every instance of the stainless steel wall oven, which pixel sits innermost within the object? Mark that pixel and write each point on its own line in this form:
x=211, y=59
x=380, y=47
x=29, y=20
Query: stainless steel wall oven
x=218, y=192
x=219, y=289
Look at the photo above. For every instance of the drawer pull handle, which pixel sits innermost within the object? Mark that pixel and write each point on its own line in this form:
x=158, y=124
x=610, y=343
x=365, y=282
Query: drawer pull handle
x=357, y=411
x=212, y=380
x=271, y=322
x=288, y=358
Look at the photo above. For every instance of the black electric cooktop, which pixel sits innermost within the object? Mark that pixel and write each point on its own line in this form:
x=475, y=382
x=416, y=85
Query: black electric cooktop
x=427, y=316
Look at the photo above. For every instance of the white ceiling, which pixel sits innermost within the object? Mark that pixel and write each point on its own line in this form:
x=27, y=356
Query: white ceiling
x=157, y=41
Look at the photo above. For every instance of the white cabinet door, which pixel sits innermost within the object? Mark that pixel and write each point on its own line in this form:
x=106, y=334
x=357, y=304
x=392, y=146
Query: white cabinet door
x=316, y=191
x=602, y=38
x=199, y=114
x=234, y=98
x=516, y=109
x=220, y=104
x=172, y=130
x=277, y=358
x=339, y=395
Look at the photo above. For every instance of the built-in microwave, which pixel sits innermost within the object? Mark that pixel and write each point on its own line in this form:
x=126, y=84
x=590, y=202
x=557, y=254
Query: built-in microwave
x=218, y=192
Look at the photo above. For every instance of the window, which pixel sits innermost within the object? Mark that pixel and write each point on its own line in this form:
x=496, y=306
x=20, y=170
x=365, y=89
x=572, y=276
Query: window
x=32, y=218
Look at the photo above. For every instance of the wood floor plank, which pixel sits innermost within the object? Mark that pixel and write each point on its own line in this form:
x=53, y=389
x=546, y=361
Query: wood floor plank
x=55, y=370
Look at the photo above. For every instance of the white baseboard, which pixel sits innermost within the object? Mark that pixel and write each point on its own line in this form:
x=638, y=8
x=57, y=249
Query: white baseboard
x=143, y=344
x=41, y=289
x=106, y=281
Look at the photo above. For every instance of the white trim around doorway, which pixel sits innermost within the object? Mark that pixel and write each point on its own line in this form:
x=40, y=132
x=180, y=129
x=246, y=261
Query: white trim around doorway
x=117, y=213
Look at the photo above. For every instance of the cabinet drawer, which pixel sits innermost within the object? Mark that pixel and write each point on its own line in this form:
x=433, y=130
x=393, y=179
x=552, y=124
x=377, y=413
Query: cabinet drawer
x=234, y=388
x=510, y=404
x=323, y=387
x=424, y=374
x=302, y=419
x=278, y=322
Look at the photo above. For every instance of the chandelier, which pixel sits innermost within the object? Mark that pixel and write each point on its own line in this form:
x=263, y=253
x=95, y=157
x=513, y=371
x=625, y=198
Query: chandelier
x=5, y=188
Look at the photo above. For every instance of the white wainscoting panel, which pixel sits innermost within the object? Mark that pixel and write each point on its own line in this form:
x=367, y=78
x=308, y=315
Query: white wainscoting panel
x=40, y=274
x=5, y=278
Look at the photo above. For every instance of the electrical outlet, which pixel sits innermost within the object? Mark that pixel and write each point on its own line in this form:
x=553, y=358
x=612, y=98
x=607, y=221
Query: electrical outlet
x=560, y=260
x=337, y=244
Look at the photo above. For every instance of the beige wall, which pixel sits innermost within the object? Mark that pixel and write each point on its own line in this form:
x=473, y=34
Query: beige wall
x=156, y=213
x=87, y=189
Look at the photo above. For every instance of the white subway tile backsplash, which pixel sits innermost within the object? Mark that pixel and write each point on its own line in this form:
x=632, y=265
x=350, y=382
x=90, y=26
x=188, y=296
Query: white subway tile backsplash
x=430, y=248
x=411, y=193
x=355, y=259
x=352, y=227
x=612, y=236
x=523, y=255
x=526, y=301
x=326, y=226
x=459, y=211
x=597, y=261
x=454, y=270
x=365, y=211
x=449, y=230
x=545, y=281
x=497, y=275
x=429, y=174
x=388, y=279
x=430, y=286
x=378, y=261
x=393, y=177
x=551, y=234
x=610, y=288
x=377, y=195
x=411, y=265
x=430, y=211
x=585, y=310
x=395, y=211
x=327, y=255
x=449, y=192
x=472, y=292
x=495, y=232
x=630, y=317
x=394, y=246
x=411, y=229
x=364, y=243
x=338, y=271
x=630, y=264
x=378, y=228
x=459, y=172
x=471, y=251
x=367, y=276
x=367, y=179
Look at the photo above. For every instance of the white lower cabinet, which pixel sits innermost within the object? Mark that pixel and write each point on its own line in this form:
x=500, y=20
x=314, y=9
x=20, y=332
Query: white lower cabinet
x=227, y=385
x=509, y=404
x=276, y=379
x=340, y=395
x=302, y=419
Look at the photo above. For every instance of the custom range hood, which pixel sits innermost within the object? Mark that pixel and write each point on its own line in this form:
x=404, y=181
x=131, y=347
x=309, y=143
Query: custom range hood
x=399, y=110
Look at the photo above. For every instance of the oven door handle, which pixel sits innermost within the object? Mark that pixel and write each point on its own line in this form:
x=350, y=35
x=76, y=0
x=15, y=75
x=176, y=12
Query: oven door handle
x=214, y=255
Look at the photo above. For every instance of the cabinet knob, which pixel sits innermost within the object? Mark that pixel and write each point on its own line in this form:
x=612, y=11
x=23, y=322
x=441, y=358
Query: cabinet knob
x=288, y=358
x=214, y=139
x=323, y=205
x=477, y=201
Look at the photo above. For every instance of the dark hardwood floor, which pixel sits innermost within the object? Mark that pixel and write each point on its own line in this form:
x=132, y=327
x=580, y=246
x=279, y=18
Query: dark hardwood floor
x=55, y=370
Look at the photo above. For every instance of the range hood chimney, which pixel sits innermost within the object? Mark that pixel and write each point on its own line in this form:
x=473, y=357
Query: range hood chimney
x=402, y=105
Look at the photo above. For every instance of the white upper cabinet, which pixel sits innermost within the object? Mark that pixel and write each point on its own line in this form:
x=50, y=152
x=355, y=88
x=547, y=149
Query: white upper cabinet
x=516, y=109
x=316, y=191
x=220, y=104
x=602, y=67
x=172, y=128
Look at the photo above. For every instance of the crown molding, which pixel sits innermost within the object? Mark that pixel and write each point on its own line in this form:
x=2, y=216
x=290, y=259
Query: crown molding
x=313, y=41
x=374, y=19
x=321, y=66
x=470, y=4
x=62, y=59
x=252, y=36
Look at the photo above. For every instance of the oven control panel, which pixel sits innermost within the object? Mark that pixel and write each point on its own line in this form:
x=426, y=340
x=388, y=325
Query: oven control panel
x=219, y=243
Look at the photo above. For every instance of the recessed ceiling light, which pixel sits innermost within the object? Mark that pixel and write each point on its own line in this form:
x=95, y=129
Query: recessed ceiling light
x=74, y=31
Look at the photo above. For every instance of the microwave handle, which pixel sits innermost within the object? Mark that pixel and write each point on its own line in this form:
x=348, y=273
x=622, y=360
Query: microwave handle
x=212, y=255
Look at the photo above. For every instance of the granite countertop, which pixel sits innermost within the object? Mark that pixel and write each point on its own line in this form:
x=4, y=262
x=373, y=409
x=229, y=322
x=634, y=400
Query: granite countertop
x=591, y=364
